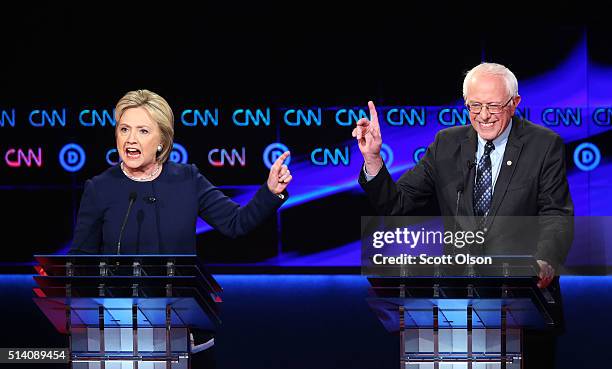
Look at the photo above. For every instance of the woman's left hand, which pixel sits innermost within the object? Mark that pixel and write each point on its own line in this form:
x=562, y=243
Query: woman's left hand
x=280, y=175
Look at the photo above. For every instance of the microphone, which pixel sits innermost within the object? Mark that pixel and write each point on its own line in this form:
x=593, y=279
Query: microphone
x=127, y=214
x=460, y=188
x=470, y=164
x=461, y=185
x=459, y=192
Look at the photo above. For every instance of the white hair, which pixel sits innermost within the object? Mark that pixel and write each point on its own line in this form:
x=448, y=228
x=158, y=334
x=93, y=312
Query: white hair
x=494, y=69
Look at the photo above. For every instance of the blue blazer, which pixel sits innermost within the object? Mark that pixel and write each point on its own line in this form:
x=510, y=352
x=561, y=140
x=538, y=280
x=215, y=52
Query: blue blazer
x=163, y=217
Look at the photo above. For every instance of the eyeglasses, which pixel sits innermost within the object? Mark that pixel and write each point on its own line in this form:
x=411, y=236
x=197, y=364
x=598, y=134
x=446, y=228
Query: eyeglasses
x=492, y=108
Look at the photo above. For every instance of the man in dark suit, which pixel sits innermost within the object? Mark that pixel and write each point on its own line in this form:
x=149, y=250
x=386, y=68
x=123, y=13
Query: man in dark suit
x=519, y=172
x=500, y=166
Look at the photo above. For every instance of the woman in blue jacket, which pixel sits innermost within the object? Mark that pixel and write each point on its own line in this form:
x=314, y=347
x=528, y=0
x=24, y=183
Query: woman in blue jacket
x=165, y=197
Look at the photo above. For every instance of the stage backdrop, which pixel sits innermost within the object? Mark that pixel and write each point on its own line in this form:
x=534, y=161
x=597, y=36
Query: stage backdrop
x=244, y=89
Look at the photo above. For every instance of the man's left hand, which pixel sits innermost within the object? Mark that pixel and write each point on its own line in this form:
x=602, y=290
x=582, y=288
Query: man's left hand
x=547, y=273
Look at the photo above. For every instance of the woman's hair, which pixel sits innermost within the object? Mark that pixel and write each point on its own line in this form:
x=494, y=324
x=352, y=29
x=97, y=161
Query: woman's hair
x=160, y=112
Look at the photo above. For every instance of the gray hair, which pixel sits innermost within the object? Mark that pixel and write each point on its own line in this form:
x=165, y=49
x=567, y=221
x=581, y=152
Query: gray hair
x=495, y=69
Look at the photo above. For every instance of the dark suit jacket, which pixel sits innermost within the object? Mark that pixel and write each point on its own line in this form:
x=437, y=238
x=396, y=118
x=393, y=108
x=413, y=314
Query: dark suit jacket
x=534, y=184
x=163, y=217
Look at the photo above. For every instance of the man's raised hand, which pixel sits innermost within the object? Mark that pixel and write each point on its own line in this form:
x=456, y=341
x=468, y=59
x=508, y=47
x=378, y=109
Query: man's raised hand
x=369, y=139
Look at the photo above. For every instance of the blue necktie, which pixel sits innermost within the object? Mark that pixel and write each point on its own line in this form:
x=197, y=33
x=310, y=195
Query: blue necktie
x=483, y=190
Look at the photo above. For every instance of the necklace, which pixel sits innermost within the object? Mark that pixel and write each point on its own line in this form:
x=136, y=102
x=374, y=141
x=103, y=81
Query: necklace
x=141, y=179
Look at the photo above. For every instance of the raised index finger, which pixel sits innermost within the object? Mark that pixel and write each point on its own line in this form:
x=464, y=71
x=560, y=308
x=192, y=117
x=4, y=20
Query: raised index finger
x=373, y=114
x=279, y=161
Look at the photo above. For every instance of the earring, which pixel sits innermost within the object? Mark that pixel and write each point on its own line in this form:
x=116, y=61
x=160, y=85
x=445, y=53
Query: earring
x=159, y=148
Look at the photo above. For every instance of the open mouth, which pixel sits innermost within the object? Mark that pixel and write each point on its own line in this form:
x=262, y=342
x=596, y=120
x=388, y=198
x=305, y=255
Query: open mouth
x=486, y=125
x=132, y=153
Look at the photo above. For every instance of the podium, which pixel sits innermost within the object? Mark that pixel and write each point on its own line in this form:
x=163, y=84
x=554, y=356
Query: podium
x=120, y=311
x=469, y=322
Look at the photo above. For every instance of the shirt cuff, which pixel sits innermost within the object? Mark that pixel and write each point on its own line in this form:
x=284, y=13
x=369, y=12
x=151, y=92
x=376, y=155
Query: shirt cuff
x=368, y=177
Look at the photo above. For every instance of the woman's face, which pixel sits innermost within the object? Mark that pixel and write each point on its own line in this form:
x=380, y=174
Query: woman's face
x=137, y=139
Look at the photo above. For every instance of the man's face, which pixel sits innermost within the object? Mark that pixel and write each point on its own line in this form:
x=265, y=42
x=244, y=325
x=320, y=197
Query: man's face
x=490, y=89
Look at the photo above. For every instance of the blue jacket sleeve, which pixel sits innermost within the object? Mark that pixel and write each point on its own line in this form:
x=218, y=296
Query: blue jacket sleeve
x=227, y=216
x=88, y=230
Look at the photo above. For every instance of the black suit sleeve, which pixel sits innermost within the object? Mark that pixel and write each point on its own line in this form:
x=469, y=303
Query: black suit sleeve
x=555, y=207
x=88, y=230
x=413, y=190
